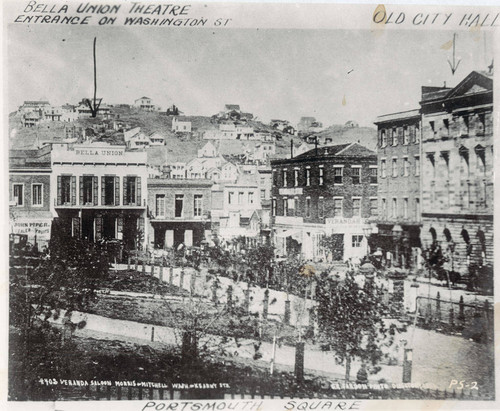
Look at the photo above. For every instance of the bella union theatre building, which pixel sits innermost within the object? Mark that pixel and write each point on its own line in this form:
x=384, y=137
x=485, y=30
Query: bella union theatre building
x=99, y=192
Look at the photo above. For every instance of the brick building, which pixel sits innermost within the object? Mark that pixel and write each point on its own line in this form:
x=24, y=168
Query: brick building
x=399, y=200
x=29, y=194
x=179, y=211
x=457, y=170
x=328, y=190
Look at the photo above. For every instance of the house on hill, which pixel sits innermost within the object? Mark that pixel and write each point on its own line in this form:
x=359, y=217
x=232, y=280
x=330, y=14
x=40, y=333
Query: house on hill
x=208, y=150
x=144, y=103
x=181, y=126
x=33, y=105
x=157, y=139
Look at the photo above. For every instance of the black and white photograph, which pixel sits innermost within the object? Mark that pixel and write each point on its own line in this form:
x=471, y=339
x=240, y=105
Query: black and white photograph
x=249, y=206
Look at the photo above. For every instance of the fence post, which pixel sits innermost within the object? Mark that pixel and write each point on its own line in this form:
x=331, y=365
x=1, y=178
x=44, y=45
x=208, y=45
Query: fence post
x=461, y=313
x=265, y=309
x=438, y=306
x=299, y=362
x=452, y=316
x=246, y=304
x=171, y=275
x=230, y=298
x=128, y=263
x=181, y=281
x=286, y=319
x=407, y=364
x=136, y=260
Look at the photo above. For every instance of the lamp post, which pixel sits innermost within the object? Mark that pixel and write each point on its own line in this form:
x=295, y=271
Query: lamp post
x=397, y=232
x=367, y=231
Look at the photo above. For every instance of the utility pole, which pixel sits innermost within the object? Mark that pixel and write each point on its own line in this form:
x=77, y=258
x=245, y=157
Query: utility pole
x=94, y=108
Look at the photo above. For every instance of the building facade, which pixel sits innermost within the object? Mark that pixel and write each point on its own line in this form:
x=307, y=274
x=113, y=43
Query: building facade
x=29, y=195
x=399, y=199
x=99, y=192
x=326, y=191
x=179, y=211
x=457, y=172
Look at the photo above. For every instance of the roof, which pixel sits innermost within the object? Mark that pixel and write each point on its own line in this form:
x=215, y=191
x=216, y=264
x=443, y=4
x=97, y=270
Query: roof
x=339, y=150
x=30, y=158
x=232, y=106
x=398, y=116
x=140, y=98
x=481, y=79
x=180, y=182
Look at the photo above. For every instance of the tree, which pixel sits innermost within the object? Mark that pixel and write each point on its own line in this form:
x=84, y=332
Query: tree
x=333, y=245
x=350, y=320
x=260, y=261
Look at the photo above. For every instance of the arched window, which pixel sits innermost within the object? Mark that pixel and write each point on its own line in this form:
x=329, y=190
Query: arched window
x=432, y=230
x=465, y=235
x=447, y=234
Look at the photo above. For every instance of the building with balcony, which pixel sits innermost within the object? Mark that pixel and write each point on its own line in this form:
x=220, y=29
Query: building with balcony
x=179, y=211
x=99, y=192
x=325, y=191
x=399, y=199
x=29, y=194
x=457, y=170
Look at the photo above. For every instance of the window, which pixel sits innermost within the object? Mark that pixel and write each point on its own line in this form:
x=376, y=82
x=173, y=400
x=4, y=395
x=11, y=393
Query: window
x=356, y=241
x=291, y=206
x=394, y=137
x=273, y=207
x=337, y=175
x=296, y=177
x=87, y=189
x=37, y=195
x=446, y=124
x=18, y=191
x=262, y=193
x=198, y=205
x=308, y=206
x=308, y=176
x=285, y=183
x=356, y=207
x=337, y=207
x=417, y=209
x=417, y=165
x=394, y=207
x=406, y=167
x=356, y=174
x=179, y=204
x=250, y=197
x=321, y=175
x=241, y=196
x=405, y=208
x=373, y=175
x=384, y=208
x=383, y=168
x=132, y=190
x=274, y=178
x=417, y=134
x=373, y=206
x=230, y=197
x=108, y=189
x=430, y=158
x=383, y=138
x=394, y=167
x=321, y=207
x=160, y=205
x=432, y=125
x=285, y=206
x=406, y=136
x=65, y=189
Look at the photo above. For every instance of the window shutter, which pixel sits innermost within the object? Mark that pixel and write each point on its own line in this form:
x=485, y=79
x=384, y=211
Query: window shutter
x=138, y=196
x=96, y=190
x=103, y=191
x=140, y=222
x=117, y=190
x=80, y=182
x=119, y=222
x=73, y=190
x=76, y=227
x=125, y=193
x=98, y=227
x=59, y=189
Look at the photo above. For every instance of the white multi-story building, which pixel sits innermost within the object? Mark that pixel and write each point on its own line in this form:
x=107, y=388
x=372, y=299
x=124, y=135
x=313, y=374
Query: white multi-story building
x=99, y=191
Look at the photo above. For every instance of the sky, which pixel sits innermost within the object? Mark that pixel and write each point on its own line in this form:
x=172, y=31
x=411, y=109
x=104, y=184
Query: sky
x=283, y=74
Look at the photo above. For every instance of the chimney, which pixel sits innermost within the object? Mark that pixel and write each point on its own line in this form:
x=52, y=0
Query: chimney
x=291, y=148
